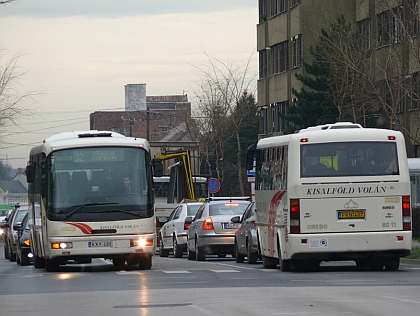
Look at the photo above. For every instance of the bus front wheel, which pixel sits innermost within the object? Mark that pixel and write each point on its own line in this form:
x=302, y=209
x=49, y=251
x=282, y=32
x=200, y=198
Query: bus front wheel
x=145, y=263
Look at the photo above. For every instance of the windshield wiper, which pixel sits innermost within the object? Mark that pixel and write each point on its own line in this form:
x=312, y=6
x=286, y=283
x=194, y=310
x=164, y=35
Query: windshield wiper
x=121, y=211
x=79, y=207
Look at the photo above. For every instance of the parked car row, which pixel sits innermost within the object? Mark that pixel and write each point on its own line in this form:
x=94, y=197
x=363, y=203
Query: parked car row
x=16, y=241
x=218, y=226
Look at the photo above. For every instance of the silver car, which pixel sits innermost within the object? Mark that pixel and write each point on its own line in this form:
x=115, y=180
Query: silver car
x=246, y=242
x=212, y=231
x=12, y=231
x=173, y=234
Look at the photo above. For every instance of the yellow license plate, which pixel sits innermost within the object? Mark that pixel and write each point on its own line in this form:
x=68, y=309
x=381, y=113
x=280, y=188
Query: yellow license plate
x=353, y=214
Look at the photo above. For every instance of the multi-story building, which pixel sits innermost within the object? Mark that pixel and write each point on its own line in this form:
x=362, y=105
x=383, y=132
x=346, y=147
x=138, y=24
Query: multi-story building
x=287, y=30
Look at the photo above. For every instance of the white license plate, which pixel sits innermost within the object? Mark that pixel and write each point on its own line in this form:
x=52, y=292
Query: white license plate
x=230, y=225
x=95, y=244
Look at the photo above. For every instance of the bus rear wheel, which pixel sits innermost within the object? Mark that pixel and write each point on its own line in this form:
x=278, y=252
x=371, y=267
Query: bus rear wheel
x=392, y=264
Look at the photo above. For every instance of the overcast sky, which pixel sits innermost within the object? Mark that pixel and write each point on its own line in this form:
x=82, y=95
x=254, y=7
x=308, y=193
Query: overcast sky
x=79, y=54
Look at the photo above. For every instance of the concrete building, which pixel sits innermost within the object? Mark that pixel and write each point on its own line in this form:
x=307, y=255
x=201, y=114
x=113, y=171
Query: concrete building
x=288, y=28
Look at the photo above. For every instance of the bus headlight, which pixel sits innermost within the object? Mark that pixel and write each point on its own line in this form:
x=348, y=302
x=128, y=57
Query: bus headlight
x=141, y=242
x=61, y=245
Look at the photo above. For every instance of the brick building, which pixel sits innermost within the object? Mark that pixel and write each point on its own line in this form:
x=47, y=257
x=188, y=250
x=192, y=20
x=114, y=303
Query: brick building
x=165, y=119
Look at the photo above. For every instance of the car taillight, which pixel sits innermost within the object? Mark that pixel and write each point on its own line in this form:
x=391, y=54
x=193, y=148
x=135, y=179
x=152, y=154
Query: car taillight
x=208, y=224
x=294, y=216
x=186, y=226
x=406, y=212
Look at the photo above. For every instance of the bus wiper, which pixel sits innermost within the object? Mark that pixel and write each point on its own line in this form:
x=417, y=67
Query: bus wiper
x=121, y=211
x=79, y=207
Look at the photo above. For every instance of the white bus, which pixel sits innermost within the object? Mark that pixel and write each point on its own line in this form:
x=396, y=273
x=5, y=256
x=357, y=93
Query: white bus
x=76, y=180
x=331, y=193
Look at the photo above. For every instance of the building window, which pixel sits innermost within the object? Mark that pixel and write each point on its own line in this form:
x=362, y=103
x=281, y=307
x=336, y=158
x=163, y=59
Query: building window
x=390, y=26
x=164, y=129
x=280, y=57
x=278, y=6
x=415, y=92
x=364, y=30
x=297, y=51
x=295, y=3
x=262, y=129
x=278, y=112
x=262, y=8
x=263, y=63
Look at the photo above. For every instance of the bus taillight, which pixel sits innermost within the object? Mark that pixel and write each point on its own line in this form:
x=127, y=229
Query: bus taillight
x=294, y=216
x=406, y=212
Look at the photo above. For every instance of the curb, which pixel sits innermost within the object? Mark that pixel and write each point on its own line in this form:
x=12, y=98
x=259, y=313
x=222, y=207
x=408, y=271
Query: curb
x=410, y=261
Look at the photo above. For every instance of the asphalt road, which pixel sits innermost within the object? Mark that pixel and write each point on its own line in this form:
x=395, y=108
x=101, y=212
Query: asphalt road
x=213, y=287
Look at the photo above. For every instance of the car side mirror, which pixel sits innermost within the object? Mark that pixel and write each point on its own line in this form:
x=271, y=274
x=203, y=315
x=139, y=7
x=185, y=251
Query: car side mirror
x=236, y=219
x=17, y=227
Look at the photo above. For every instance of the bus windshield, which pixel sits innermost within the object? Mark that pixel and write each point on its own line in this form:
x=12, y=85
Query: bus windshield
x=99, y=184
x=343, y=159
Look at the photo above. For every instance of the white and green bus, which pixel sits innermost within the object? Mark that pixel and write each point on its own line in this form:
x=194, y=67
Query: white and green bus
x=331, y=193
x=76, y=182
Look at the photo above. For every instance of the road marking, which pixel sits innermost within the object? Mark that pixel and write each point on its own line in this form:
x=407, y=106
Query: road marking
x=176, y=271
x=224, y=271
x=123, y=272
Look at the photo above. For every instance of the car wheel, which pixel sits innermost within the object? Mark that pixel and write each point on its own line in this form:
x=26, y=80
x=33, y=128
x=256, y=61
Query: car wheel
x=6, y=252
x=252, y=256
x=17, y=257
x=145, y=263
x=12, y=256
x=190, y=254
x=162, y=252
x=238, y=257
x=200, y=255
x=177, y=250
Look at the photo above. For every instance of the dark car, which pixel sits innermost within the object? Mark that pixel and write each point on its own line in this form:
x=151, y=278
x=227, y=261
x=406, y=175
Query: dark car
x=24, y=254
x=246, y=241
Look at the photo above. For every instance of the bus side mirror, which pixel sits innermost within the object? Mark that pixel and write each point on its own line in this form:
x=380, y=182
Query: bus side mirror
x=157, y=167
x=30, y=173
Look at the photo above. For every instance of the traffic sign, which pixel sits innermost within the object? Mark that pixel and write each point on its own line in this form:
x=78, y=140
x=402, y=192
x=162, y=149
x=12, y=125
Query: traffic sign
x=213, y=185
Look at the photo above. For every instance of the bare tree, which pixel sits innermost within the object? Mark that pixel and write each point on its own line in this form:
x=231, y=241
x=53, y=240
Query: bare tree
x=222, y=86
x=13, y=103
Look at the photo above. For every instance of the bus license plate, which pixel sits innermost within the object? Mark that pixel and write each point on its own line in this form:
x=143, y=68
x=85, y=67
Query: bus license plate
x=351, y=214
x=230, y=225
x=95, y=244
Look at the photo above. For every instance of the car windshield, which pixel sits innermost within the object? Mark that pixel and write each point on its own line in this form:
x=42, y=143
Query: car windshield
x=228, y=208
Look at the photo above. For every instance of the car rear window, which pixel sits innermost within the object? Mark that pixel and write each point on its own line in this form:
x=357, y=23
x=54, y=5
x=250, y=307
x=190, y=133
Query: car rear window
x=192, y=209
x=228, y=208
